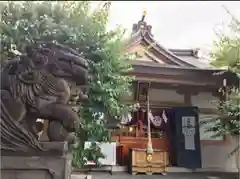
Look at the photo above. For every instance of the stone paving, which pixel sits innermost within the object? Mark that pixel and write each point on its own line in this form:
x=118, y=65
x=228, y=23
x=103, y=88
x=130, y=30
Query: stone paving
x=122, y=175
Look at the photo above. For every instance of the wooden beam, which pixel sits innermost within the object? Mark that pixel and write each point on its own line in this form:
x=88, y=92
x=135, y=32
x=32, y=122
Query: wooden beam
x=170, y=80
x=187, y=99
x=164, y=104
x=182, y=89
x=159, y=104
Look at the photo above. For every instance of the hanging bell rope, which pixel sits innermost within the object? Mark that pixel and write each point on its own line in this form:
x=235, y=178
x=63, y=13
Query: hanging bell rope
x=149, y=145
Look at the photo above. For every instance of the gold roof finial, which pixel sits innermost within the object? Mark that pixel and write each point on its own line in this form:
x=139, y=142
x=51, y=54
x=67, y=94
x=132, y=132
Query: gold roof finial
x=144, y=15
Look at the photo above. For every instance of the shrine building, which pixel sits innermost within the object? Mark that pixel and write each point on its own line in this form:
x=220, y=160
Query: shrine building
x=181, y=88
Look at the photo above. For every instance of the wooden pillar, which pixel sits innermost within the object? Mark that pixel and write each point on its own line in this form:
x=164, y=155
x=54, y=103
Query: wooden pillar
x=187, y=95
x=137, y=130
x=187, y=99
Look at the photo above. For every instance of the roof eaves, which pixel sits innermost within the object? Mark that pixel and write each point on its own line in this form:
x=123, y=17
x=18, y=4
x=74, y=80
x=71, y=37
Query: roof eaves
x=166, y=53
x=158, y=65
x=182, y=52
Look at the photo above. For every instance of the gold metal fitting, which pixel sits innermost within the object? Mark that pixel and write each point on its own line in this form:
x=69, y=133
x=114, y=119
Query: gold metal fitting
x=149, y=157
x=144, y=13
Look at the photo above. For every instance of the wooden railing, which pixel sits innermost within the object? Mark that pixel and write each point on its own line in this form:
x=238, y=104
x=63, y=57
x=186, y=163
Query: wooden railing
x=144, y=134
x=126, y=133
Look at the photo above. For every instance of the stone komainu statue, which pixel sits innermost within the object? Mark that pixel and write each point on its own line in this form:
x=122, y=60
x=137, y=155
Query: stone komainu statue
x=40, y=84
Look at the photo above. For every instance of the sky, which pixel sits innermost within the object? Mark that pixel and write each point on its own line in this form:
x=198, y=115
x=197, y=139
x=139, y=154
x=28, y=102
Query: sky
x=176, y=24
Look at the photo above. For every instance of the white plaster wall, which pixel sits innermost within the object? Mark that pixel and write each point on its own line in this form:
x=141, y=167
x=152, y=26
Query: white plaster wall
x=207, y=135
x=215, y=157
x=204, y=100
x=165, y=95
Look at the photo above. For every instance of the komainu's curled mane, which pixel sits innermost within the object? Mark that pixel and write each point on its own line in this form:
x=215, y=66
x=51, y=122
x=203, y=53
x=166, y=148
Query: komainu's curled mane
x=14, y=137
x=39, y=85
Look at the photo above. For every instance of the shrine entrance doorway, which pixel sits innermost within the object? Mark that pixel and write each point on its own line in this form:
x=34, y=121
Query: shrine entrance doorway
x=184, y=137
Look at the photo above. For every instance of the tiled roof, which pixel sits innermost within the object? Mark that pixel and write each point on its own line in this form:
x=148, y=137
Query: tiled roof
x=179, y=57
x=191, y=56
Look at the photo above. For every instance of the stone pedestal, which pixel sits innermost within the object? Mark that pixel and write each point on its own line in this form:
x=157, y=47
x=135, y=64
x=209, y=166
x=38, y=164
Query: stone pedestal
x=53, y=163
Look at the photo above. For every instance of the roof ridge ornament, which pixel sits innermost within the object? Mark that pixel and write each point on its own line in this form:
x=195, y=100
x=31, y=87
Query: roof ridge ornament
x=142, y=26
x=144, y=15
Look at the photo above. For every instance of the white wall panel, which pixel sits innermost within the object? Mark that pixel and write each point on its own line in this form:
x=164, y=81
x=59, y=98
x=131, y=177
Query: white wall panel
x=166, y=95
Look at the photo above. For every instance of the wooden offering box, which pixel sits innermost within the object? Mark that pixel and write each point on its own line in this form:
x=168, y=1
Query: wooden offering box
x=140, y=162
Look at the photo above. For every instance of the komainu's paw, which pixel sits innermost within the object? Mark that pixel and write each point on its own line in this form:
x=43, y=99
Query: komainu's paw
x=61, y=114
x=56, y=132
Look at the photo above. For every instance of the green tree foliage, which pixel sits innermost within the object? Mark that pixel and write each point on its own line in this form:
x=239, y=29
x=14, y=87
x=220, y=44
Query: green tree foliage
x=76, y=25
x=226, y=54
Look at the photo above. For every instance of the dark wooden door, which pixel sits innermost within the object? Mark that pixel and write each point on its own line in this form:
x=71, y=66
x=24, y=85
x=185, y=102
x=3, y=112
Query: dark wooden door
x=187, y=138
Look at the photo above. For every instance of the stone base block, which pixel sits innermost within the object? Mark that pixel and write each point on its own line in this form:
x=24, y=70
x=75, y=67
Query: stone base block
x=55, y=163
